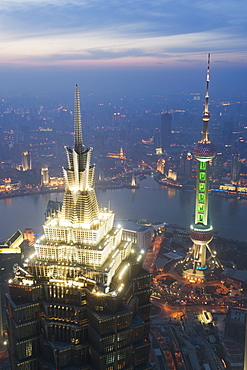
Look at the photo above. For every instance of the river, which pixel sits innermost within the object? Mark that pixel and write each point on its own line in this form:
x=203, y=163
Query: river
x=151, y=201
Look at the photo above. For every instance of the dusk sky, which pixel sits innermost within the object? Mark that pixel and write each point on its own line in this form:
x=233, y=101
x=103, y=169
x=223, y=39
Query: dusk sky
x=65, y=38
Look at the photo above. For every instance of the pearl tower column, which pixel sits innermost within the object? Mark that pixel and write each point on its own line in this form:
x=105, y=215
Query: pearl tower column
x=201, y=231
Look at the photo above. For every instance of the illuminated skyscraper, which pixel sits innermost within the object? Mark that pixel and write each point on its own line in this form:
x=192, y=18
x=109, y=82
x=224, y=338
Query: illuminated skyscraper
x=201, y=232
x=26, y=161
x=82, y=301
x=45, y=178
x=161, y=165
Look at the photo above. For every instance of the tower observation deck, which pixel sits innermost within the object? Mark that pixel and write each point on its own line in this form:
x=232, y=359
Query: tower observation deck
x=82, y=300
x=201, y=231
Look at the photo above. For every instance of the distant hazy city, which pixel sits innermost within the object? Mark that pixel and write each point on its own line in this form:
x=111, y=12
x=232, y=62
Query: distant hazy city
x=90, y=293
x=148, y=133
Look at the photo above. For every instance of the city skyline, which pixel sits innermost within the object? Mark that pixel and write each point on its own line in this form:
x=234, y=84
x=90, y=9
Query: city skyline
x=69, y=259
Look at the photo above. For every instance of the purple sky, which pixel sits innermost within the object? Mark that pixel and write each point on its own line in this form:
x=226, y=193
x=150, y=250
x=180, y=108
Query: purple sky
x=46, y=36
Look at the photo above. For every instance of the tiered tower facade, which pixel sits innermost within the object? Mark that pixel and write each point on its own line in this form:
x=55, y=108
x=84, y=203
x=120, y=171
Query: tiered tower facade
x=201, y=232
x=82, y=301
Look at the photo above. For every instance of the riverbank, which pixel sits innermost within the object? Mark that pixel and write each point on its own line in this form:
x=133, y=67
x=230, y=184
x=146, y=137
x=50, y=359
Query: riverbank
x=151, y=202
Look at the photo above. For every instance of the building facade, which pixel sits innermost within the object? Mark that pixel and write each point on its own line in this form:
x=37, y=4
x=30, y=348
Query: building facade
x=45, y=177
x=235, y=168
x=26, y=161
x=218, y=167
x=161, y=163
x=185, y=165
x=10, y=253
x=82, y=300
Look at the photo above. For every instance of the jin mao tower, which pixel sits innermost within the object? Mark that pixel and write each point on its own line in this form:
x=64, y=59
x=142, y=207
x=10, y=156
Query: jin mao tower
x=201, y=232
x=82, y=301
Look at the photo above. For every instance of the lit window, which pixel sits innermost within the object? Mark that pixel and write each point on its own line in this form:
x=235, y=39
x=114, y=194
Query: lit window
x=203, y=165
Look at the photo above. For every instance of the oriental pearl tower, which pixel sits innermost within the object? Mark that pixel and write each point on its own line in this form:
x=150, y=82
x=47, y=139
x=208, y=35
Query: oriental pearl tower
x=200, y=255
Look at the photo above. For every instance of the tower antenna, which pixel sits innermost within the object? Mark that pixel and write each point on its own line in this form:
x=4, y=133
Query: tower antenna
x=206, y=115
x=77, y=123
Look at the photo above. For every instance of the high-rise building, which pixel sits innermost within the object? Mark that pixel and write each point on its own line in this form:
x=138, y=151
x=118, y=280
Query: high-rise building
x=161, y=163
x=171, y=174
x=45, y=178
x=227, y=133
x=201, y=232
x=116, y=118
x=157, y=142
x=10, y=253
x=185, y=165
x=26, y=161
x=218, y=167
x=165, y=130
x=235, y=168
x=82, y=300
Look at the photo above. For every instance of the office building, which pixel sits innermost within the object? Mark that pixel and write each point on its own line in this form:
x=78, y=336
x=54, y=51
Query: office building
x=145, y=236
x=157, y=142
x=235, y=168
x=165, y=130
x=218, y=167
x=82, y=300
x=45, y=177
x=10, y=253
x=161, y=163
x=116, y=119
x=185, y=165
x=26, y=161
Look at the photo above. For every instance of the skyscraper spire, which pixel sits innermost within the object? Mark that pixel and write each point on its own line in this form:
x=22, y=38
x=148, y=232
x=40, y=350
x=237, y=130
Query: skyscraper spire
x=80, y=206
x=77, y=123
x=206, y=115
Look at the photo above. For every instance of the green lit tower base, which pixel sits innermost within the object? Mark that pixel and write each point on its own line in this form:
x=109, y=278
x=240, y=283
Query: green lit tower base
x=82, y=300
x=201, y=232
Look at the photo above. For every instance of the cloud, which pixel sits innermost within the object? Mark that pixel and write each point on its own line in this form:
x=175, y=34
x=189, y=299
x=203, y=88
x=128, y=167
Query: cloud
x=50, y=30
